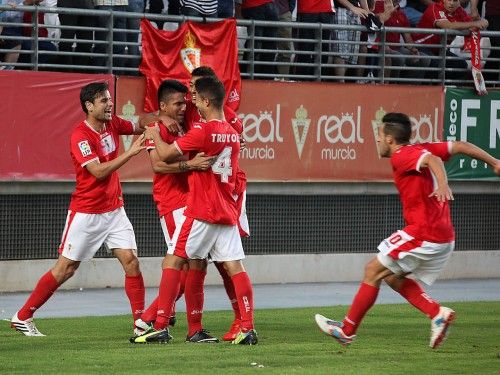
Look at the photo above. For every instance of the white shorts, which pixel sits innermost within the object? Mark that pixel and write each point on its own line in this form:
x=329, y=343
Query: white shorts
x=84, y=234
x=169, y=223
x=243, y=226
x=195, y=239
x=401, y=253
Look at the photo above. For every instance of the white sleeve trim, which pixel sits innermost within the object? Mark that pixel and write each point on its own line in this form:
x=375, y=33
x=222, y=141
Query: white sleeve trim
x=450, y=146
x=90, y=161
x=419, y=161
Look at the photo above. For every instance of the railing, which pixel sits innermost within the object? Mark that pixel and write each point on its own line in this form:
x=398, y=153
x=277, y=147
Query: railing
x=113, y=54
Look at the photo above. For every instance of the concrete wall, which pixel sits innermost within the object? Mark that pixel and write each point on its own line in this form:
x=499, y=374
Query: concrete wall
x=263, y=269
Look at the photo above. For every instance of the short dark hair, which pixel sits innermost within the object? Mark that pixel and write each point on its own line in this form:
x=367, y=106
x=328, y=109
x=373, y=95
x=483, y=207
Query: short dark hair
x=398, y=125
x=90, y=92
x=203, y=71
x=169, y=87
x=211, y=88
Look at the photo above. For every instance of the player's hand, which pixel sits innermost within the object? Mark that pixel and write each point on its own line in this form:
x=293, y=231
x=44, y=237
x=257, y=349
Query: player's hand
x=201, y=162
x=496, y=168
x=243, y=143
x=137, y=145
x=148, y=119
x=442, y=194
x=151, y=132
x=171, y=125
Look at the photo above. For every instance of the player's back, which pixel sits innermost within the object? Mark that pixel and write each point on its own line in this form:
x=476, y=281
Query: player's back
x=211, y=192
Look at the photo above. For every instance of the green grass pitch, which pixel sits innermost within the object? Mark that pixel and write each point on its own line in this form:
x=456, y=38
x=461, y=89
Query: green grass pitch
x=392, y=340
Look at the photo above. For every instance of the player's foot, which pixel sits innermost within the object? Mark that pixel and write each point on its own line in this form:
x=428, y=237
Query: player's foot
x=161, y=336
x=334, y=329
x=172, y=321
x=202, y=336
x=246, y=338
x=26, y=327
x=233, y=331
x=141, y=327
x=440, y=325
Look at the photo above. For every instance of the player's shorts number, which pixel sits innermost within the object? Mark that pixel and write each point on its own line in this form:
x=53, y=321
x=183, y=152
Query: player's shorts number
x=222, y=165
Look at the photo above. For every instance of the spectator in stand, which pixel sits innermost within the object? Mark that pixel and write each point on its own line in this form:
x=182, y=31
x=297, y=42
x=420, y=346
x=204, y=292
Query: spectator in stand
x=156, y=7
x=414, y=10
x=261, y=10
x=493, y=18
x=447, y=14
x=199, y=8
x=315, y=11
x=391, y=16
x=225, y=9
x=81, y=21
x=43, y=45
x=11, y=16
x=134, y=27
x=285, y=9
x=119, y=37
x=346, y=45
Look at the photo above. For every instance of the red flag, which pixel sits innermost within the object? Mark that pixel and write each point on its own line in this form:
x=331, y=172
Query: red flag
x=174, y=54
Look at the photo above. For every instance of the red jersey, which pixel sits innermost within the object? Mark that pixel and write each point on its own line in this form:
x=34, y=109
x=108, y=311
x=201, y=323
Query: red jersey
x=398, y=19
x=254, y=3
x=91, y=195
x=425, y=218
x=210, y=195
x=315, y=6
x=192, y=115
x=169, y=189
x=436, y=12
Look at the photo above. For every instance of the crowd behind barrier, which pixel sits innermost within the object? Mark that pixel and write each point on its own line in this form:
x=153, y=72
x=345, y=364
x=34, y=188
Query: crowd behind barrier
x=79, y=40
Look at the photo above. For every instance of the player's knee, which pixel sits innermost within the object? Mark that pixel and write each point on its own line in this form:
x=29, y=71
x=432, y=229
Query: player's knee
x=131, y=265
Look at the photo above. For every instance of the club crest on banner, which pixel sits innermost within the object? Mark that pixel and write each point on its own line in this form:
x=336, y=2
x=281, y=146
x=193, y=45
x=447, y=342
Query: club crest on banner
x=190, y=55
x=128, y=113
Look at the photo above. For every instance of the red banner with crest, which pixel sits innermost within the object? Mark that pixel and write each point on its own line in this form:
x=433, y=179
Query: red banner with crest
x=174, y=55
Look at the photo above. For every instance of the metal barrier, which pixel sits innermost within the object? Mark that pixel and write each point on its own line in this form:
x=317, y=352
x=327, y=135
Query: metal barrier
x=113, y=53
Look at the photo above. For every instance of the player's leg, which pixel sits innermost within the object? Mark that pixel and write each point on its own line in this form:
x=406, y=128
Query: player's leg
x=425, y=261
x=120, y=240
x=78, y=243
x=23, y=320
x=345, y=332
x=230, y=335
x=195, y=298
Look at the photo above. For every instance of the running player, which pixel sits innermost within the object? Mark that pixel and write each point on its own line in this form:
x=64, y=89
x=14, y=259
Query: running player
x=425, y=244
x=96, y=215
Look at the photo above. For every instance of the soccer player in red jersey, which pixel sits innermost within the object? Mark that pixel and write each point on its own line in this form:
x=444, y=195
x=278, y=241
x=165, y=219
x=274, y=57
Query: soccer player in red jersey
x=170, y=189
x=425, y=244
x=211, y=215
x=96, y=215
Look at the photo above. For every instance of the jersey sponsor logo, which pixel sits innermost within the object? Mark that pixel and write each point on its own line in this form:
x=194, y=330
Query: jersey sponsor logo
x=108, y=144
x=233, y=96
x=84, y=148
x=441, y=14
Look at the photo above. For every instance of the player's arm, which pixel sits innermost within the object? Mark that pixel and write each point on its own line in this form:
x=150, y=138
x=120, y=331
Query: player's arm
x=199, y=163
x=103, y=170
x=165, y=151
x=145, y=120
x=469, y=149
x=435, y=164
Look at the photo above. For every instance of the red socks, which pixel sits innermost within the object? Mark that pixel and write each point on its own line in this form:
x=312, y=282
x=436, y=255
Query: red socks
x=228, y=285
x=362, y=302
x=195, y=298
x=244, y=295
x=44, y=289
x=170, y=277
x=414, y=293
x=134, y=288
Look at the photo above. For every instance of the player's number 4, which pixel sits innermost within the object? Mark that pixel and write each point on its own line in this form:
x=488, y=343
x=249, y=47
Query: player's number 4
x=222, y=165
